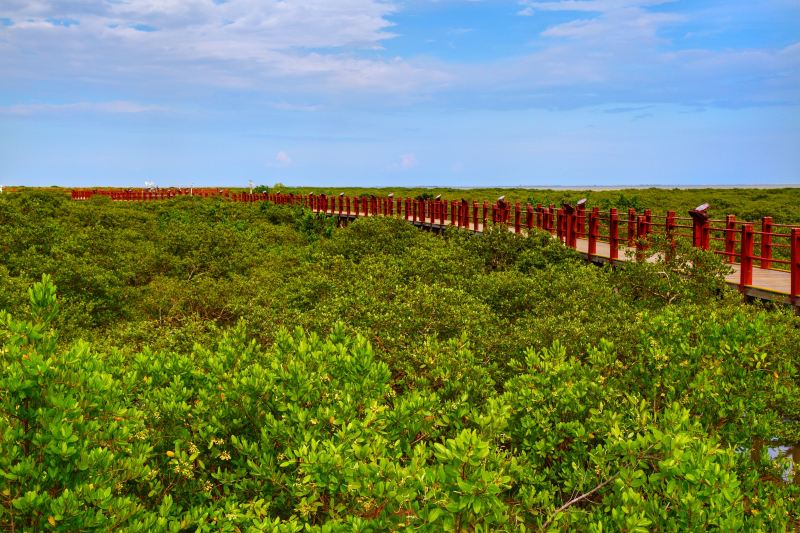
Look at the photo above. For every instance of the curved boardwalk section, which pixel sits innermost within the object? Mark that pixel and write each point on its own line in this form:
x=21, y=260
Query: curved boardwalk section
x=764, y=256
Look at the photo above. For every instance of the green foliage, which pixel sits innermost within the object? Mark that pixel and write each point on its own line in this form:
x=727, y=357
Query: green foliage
x=624, y=202
x=218, y=366
x=673, y=271
x=69, y=458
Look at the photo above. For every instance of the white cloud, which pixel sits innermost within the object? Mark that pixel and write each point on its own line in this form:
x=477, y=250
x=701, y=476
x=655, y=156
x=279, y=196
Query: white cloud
x=238, y=43
x=609, y=52
x=320, y=55
x=283, y=159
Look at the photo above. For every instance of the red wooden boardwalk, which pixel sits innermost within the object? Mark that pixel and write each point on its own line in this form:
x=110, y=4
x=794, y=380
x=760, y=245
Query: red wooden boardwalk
x=764, y=257
x=753, y=281
x=767, y=284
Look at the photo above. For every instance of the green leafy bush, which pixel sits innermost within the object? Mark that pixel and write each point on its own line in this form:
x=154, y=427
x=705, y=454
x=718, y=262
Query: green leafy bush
x=219, y=366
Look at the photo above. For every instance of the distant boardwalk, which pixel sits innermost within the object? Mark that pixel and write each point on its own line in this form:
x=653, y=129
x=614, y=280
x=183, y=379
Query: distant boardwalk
x=764, y=256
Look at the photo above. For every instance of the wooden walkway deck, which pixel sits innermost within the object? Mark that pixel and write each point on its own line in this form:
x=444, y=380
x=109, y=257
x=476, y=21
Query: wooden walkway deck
x=768, y=284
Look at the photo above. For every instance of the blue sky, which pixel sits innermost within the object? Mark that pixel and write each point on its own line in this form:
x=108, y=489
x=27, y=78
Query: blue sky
x=382, y=92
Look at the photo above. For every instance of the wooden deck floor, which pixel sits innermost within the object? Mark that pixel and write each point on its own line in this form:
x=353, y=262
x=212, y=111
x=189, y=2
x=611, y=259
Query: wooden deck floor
x=767, y=284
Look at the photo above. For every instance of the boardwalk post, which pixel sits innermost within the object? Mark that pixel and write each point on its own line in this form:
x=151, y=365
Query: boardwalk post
x=453, y=214
x=568, y=226
x=341, y=204
x=539, y=216
x=560, y=224
x=648, y=215
x=517, y=215
x=766, y=242
x=795, y=266
x=356, y=205
x=347, y=204
x=474, y=216
x=748, y=241
x=730, y=238
x=580, y=218
x=485, y=213
x=529, y=217
x=701, y=228
x=613, y=234
x=669, y=228
x=572, y=228
x=465, y=213
x=550, y=219
x=641, y=237
x=631, y=227
x=546, y=218
x=594, y=232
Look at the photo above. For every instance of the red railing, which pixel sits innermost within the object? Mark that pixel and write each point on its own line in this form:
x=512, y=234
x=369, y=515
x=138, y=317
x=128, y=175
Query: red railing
x=733, y=239
x=736, y=240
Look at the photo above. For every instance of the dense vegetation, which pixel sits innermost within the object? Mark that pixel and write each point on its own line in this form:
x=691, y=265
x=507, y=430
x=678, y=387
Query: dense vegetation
x=205, y=365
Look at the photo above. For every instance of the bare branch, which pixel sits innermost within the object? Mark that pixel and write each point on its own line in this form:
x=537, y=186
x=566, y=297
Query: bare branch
x=577, y=499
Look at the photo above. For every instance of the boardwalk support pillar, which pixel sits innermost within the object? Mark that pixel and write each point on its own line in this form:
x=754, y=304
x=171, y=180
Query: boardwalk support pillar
x=613, y=235
x=594, y=232
x=569, y=227
x=580, y=218
x=795, y=266
x=701, y=227
x=631, y=227
x=748, y=242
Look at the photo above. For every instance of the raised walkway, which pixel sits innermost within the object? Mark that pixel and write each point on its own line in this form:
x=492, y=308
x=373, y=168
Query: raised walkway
x=764, y=283
x=764, y=256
